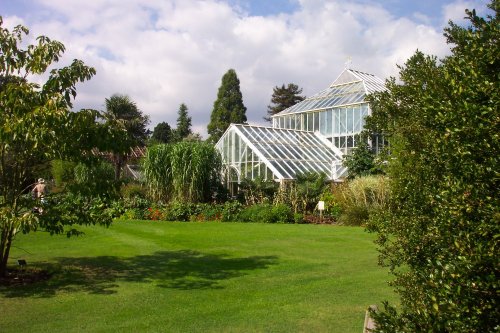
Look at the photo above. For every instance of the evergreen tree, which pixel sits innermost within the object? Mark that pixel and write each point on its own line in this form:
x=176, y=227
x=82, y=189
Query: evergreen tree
x=283, y=98
x=183, y=123
x=228, y=108
x=162, y=133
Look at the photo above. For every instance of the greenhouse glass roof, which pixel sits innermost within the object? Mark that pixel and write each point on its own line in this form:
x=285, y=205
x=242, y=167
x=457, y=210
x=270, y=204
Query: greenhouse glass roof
x=350, y=87
x=285, y=152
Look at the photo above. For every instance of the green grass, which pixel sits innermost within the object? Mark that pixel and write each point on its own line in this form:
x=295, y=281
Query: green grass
x=139, y=276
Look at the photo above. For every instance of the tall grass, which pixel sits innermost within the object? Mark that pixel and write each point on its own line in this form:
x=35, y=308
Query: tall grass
x=184, y=171
x=361, y=196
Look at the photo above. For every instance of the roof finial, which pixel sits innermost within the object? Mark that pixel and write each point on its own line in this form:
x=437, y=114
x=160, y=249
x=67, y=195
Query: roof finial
x=348, y=63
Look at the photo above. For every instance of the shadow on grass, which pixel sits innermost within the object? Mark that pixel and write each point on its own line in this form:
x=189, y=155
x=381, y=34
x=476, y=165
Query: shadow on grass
x=166, y=269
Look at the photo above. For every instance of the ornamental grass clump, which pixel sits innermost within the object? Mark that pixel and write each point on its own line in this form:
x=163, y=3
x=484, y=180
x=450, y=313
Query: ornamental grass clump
x=360, y=197
x=182, y=172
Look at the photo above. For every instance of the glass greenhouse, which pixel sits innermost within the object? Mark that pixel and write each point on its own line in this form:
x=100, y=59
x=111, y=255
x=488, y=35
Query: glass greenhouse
x=311, y=136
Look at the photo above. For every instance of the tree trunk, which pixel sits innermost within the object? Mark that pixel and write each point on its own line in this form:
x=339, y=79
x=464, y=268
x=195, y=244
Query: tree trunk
x=5, y=243
x=118, y=166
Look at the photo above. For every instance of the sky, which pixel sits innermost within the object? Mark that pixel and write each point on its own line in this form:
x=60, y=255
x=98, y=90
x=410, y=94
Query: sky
x=162, y=53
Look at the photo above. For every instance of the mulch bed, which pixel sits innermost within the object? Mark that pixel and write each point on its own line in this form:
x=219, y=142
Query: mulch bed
x=16, y=277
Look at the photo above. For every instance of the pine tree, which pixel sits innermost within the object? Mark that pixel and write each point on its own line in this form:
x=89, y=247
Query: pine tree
x=183, y=123
x=228, y=108
x=283, y=98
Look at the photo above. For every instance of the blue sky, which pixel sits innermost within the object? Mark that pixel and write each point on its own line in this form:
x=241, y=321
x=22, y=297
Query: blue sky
x=164, y=53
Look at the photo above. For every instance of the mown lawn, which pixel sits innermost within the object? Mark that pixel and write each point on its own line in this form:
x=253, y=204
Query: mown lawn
x=145, y=276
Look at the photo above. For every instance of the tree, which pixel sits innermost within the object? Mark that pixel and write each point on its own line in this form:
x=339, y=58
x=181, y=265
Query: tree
x=162, y=133
x=439, y=237
x=283, y=98
x=183, y=123
x=362, y=161
x=122, y=113
x=37, y=125
x=228, y=107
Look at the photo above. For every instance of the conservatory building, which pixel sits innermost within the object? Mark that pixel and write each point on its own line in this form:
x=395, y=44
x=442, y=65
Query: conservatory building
x=311, y=136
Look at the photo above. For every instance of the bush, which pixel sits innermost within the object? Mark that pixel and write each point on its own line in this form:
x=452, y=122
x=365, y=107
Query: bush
x=133, y=214
x=282, y=214
x=231, y=211
x=178, y=211
x=207, y=212
x=265, y=213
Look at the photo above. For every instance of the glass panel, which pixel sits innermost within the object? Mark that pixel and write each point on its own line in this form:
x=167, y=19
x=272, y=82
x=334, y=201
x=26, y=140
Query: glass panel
x=329, y=121
x=349, y=115
x=316, y=121
x=343, y=120
x=310, y=122
x=322, y=123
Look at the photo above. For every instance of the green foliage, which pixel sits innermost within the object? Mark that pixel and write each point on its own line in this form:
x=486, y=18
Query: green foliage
x=309, y=187
x=180, y=211
x=258, y=191
x=162, y=133
x=228, y=107
x=63, y=171
x=183, y=172
x=71, y=208
x=132, y=191
x=303, y=194
x=283, y=97
x=231, y=211
x=266, y=213
x=440, y=236
x=36, y=126
x=359, y=198
x=362, y=160
x=183, y=129
x=122, y=114
x=96, y=179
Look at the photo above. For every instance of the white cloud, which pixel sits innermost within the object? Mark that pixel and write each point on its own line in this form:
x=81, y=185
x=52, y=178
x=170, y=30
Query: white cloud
x=163, y=53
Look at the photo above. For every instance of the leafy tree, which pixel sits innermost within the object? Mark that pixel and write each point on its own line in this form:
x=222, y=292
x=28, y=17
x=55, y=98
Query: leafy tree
x=162, y=133
x=440, y=237
x=228, y=107
x=123, y=114
x=37, y=125
x=283, y=97
x=183, y=129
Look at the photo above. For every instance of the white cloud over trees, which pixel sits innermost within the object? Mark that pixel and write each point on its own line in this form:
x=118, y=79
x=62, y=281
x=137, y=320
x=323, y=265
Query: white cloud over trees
x=164, y=53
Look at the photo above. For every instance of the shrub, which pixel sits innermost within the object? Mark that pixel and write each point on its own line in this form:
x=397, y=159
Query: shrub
x=298, y=218
x=231, y=211
x=178, y=211
x=133, y=214
x=282, y=214
x=265, y=213
x=207, y=212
